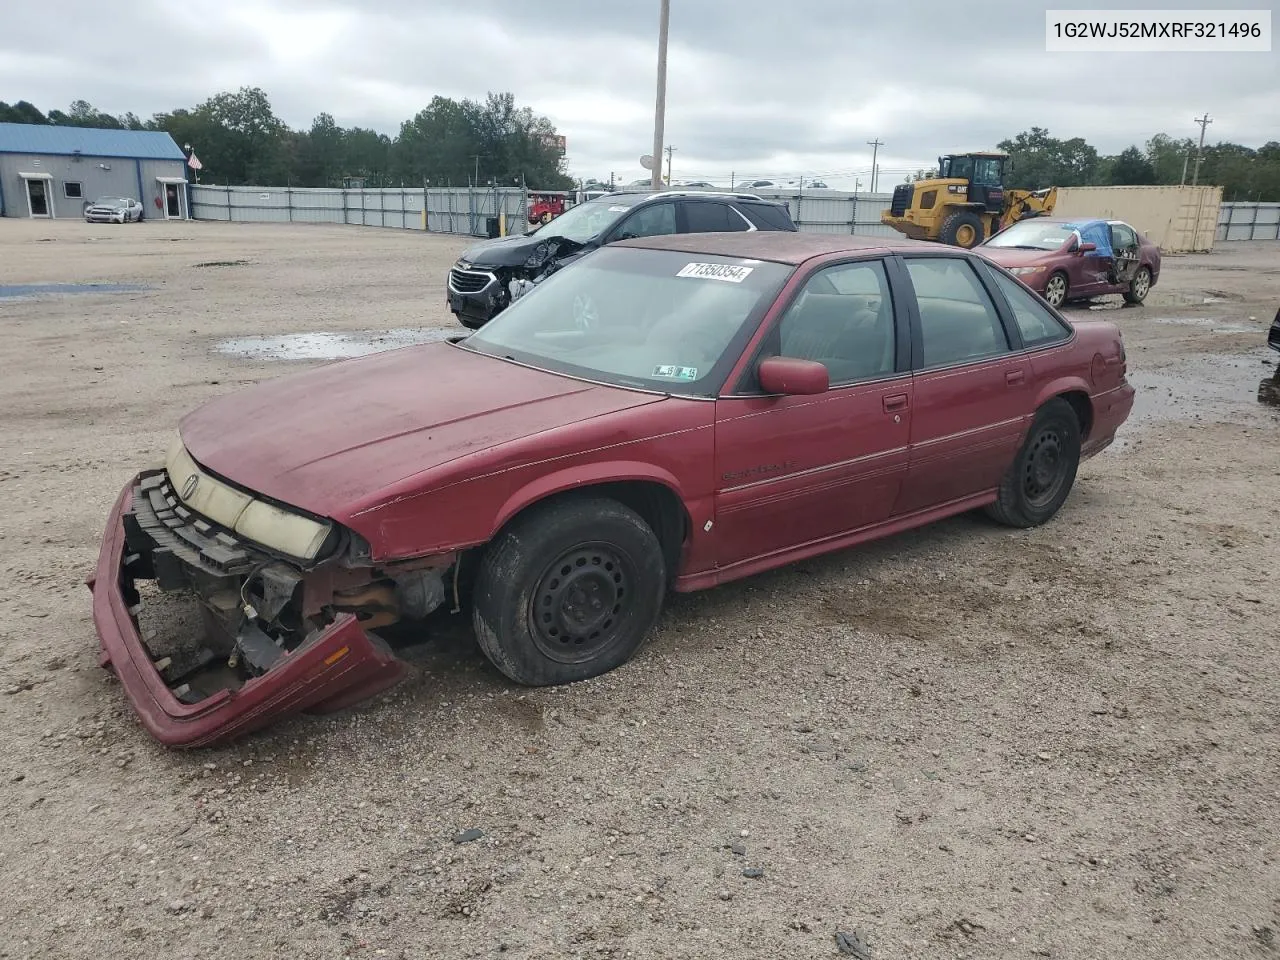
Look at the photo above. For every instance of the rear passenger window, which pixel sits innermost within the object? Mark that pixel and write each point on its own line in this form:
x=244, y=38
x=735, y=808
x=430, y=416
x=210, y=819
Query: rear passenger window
x=767, y=216
x=706, y=217
x=958, y=321
x=1036, y=324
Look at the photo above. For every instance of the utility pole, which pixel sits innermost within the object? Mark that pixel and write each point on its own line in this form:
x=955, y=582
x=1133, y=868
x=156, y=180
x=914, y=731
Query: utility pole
x=875, y=146
x=476, y=180
x=1204, y=123
x=660, y=108
x=1186, y=158
x=670, y=150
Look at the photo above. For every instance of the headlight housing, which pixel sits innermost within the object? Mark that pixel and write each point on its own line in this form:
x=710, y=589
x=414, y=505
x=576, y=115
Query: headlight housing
x=1023, y=271
x=281, y=530
x=537, y=257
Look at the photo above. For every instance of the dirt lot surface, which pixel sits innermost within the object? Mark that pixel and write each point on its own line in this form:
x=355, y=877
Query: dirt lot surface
x=966, y=741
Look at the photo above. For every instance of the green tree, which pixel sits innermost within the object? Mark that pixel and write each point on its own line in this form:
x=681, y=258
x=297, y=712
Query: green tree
x=1040, y=160
x=21, y=112
x=247, y=138
x=1131, y=167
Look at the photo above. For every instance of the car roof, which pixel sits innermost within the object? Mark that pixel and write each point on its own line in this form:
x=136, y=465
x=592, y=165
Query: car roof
x=695, y=194
x=1077, y=221
x=780, y=246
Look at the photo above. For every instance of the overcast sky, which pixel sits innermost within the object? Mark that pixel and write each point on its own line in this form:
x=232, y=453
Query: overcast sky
x=755, y=89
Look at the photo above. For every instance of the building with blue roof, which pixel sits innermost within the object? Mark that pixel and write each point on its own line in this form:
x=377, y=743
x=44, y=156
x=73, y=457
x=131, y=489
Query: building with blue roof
x=54, y=172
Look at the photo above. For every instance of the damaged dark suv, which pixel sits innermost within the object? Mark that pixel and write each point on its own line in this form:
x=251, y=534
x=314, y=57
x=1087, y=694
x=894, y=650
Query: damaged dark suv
x=489, y=275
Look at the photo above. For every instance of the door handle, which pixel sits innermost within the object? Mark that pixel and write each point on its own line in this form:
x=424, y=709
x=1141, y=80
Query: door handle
x=1014, y=377
x=896, y=402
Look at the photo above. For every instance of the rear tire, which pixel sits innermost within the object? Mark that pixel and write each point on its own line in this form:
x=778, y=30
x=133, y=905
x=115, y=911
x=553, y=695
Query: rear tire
x=1040, y=479
x=962, y=229
x=1139, y=286
x=568, y=591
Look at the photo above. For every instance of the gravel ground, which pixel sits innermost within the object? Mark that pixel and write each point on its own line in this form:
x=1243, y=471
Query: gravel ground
x=963, y=741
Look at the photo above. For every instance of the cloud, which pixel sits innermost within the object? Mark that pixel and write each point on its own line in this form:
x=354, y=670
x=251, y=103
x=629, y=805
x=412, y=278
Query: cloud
x=755, y=89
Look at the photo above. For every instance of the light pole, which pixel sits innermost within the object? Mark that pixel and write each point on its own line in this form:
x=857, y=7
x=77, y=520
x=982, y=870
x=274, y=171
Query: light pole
x=660, y=108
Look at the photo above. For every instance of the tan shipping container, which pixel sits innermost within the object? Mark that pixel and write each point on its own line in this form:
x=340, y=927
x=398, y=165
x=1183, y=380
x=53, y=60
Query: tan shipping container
x=1179, y=219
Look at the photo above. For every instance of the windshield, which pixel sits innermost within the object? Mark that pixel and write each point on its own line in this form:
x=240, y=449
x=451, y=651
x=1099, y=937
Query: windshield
x=586, y=220
x=653, y=319
x=1033, y=234
x=109, y=202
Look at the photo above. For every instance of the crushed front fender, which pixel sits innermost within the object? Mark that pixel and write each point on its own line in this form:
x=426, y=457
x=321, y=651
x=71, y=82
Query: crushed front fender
x=331, y=669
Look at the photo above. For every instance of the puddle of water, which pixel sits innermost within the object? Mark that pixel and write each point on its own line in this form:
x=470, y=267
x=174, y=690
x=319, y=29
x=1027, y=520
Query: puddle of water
x=24, y=291
x=1213, y=323
x=1211, y=387
x=330, y=346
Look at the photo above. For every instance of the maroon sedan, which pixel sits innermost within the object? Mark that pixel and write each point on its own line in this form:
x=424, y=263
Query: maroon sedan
x=728, y=403
x=1063, y=259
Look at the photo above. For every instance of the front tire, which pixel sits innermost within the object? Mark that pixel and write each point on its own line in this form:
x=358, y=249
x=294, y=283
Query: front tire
x=568, y=591
x=1040, y=479
x=962, y=229
x=1139, y=286
x=1055, y=290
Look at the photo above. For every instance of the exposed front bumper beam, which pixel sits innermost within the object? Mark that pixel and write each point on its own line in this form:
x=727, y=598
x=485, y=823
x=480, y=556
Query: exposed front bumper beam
x=332, y=669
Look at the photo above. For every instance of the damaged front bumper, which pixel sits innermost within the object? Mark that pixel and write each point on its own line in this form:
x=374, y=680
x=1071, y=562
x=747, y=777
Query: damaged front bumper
x=331, y=662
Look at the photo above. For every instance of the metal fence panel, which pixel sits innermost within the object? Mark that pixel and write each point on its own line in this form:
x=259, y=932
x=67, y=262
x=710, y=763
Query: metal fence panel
x=834, y=211
x=1249, y=221
x=459, y=210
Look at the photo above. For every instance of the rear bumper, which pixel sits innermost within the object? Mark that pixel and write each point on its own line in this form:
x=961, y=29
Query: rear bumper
x=332, y=669
x=1110, y=410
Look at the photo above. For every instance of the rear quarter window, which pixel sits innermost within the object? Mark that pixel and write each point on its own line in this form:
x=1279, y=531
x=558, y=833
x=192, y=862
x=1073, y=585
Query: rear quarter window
x=1036, y=324
x=767, y=216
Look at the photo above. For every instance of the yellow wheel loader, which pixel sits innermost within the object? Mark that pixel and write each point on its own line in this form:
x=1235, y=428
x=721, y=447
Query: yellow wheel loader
x=966, y=203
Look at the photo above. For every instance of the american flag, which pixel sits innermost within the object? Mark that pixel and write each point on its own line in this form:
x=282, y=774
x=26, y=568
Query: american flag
x=194, y=162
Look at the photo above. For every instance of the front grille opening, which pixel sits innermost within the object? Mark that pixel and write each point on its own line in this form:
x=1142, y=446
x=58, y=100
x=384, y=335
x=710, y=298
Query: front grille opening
x=464, y=281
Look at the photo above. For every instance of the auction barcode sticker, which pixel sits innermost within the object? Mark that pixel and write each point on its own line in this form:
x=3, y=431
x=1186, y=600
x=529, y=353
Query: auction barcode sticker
x=716, y=271
x=1158, y=31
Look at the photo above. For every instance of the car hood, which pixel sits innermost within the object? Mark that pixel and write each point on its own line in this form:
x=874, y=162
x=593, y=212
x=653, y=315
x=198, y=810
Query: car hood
x=1013, y=257
x=328, y=440
x=514, y=251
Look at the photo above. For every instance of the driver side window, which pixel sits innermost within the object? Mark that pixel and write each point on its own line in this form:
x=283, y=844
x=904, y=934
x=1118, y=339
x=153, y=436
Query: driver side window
x=654, y=220
x=843, y=319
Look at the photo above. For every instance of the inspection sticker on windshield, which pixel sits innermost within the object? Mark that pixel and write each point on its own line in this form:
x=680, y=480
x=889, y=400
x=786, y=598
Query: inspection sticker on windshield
x=671, y=372
x=716, y=271
x=619, y=209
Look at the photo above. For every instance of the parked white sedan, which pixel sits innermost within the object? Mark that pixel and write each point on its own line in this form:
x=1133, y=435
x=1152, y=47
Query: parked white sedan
x=113, y=210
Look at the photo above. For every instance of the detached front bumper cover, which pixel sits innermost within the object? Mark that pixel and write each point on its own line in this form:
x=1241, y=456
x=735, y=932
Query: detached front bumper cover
x=332, y=669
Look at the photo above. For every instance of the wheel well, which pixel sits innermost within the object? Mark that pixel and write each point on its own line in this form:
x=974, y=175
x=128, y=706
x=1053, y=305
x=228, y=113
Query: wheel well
x=657, y=504
x=1079, y=401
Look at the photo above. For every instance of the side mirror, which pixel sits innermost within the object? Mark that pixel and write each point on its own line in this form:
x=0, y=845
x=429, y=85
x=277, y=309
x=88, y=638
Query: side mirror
x=792, y=376
x=1086, y=247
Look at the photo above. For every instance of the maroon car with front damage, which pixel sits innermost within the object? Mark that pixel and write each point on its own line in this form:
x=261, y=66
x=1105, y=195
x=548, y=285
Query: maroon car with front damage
x=729, y=403
x=1066, y=259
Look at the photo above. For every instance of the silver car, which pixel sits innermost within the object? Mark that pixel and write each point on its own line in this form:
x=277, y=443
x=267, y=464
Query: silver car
x=113, y=210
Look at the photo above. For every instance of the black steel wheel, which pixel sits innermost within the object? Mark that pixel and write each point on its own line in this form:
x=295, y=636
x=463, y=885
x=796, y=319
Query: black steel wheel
x=568, y=590
x=579, y=602
x=1038, y=482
